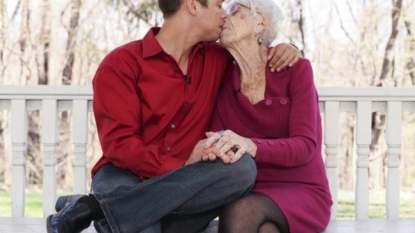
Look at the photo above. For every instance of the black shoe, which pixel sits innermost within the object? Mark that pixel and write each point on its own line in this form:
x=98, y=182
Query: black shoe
x=72, y=218
x=65, y=201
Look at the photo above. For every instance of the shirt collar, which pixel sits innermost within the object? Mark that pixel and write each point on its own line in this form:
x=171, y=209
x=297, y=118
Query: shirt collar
x=152, y=47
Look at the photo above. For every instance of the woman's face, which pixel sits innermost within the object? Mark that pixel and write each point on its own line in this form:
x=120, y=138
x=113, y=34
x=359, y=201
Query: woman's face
x=239, y=24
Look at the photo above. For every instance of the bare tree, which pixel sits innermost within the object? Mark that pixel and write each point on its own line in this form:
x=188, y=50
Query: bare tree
x=410, y=64
x=300, y=22
x=43, y=41
x=388, y=57
x=25, y=42
x=70, y=44
x=64, y=145
x=3, y=31
x=378, y=120
x=35, y=162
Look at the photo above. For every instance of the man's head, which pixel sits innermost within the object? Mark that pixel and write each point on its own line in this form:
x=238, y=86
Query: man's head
x=203, y=18
x=170, y=7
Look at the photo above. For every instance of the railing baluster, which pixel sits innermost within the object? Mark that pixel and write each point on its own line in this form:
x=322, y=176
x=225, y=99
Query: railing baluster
x=18, y=139
x=50, y=142
x=80, y=137
x=393, y=139
x=331, y=141
x=363, y=138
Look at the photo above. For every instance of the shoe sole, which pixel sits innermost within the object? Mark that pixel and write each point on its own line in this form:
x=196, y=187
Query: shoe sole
x=48, y=224
x=49, y=230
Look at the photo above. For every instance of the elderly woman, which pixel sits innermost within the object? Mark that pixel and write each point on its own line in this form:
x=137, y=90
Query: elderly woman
x=275, y=118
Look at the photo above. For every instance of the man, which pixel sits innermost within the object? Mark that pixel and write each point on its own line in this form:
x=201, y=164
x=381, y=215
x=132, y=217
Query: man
x=153, y=99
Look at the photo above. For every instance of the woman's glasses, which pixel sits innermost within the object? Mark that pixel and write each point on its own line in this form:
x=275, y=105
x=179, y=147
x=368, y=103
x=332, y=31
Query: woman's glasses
x=233, y=7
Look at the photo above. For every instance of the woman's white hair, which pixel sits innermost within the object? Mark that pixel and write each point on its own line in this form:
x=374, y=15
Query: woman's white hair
x=270, y=10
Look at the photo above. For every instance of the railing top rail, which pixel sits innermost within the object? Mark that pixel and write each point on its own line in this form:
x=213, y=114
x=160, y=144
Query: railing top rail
x=46, y=92
x=367, y=93
x=325, y=93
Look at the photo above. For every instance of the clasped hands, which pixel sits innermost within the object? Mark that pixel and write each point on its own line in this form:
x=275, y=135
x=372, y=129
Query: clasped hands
x=225, y=145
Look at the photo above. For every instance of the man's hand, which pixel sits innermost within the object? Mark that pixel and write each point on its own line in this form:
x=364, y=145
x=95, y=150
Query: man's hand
x=199, y=150
x=283, y=55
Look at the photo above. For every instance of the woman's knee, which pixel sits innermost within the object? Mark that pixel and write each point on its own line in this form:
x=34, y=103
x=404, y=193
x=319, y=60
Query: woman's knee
x=268, y=227
x=244, y=171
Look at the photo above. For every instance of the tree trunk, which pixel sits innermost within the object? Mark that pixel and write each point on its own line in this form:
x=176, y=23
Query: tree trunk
x=301, y=26
x=42, y=51
x=3, y=19
x=35, y=160
x=410, y=64
x=70, y=44
x=377, y=150
x=65, y=154
x=388, y=56
x=3, y=32
x=24, y=41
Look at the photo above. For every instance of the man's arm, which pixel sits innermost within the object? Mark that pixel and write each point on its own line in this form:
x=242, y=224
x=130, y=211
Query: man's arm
x=117, y=110
x=283, y=55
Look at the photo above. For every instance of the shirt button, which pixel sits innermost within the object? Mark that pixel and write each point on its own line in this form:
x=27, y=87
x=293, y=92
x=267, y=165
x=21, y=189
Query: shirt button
x=283, y=101
x=268, y=102
x=270, y=143
x=172, y=126
x=282, y=143
x=168, y=148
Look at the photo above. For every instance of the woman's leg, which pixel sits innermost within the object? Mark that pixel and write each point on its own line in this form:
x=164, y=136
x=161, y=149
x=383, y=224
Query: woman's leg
x=253, y=213
x=269, y=227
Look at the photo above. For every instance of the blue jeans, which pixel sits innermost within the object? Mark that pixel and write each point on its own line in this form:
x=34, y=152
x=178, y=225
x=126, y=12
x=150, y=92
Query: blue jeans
x=184, y=200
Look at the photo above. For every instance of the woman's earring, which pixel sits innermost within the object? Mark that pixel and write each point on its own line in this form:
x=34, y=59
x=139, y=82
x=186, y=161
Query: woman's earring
x=259, y=41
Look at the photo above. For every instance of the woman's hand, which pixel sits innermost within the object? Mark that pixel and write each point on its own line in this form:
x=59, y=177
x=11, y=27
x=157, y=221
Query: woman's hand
x=228, y=146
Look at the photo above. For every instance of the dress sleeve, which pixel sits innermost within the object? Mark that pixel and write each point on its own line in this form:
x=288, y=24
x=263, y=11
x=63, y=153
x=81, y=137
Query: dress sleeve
x=304, y=130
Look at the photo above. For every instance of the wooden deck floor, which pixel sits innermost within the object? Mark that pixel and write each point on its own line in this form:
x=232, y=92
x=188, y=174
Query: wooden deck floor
x=32, y=225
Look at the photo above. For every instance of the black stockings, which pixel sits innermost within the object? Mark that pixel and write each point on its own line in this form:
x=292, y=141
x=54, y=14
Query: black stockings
x=255, y=213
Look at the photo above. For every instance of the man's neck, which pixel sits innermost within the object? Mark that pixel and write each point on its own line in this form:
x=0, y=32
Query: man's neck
x=177, y=37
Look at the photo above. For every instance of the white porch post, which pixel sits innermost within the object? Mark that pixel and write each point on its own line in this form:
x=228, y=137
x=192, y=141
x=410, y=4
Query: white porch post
x=80, y=138
x=18, y=139
x=331, y=140
x=364, y=132
x=50, y=143
x=393, y=139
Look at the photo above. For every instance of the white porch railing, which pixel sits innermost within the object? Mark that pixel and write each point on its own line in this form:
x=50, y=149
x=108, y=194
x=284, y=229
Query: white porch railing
x=333, y=100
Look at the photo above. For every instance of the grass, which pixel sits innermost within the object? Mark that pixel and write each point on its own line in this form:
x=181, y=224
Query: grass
x=33, y=207
x=346, y=206
x=377, y=210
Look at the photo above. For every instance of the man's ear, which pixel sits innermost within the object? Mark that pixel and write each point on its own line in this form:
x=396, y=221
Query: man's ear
x=192, y=6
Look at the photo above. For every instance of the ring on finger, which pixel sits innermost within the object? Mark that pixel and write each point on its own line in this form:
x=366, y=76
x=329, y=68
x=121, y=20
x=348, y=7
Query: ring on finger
x=243, y=150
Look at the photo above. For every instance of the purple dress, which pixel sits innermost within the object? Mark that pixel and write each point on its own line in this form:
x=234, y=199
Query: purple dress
x=286, y=127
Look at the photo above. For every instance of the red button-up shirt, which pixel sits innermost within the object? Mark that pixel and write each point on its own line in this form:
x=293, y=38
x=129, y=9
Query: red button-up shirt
x=149, y=115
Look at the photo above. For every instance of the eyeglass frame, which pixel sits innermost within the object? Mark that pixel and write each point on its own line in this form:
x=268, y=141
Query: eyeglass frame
x=234, y=6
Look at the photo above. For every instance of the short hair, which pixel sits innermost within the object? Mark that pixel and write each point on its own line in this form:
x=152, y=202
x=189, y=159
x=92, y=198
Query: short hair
x=270, y=10
x=170, y=7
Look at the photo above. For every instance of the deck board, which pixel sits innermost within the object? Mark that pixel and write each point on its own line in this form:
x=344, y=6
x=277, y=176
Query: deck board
x=37, y=225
